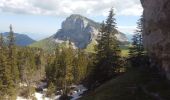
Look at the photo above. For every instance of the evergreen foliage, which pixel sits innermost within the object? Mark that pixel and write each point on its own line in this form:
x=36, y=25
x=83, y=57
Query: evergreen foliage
x=137, y=54
x=18, y=65
x=107, y=51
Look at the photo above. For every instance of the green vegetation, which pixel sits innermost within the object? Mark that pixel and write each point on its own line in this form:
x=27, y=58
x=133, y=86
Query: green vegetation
x=49, y=45
x=137, y=54
x=124, y=50
x=46, y=44
x=66, y=67
x=110, y=70
x=107, y=58
x=19, y=65
x=129, y=87
x=91, y=47
x=138, y=83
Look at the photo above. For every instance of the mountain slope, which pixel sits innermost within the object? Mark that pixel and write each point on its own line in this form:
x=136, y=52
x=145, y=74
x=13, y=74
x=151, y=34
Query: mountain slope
x=133, y=85
x=46, y=44
x=80, y=30
x=20, y=39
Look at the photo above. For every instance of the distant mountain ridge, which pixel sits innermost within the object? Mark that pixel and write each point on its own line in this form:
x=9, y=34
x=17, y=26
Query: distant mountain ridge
x=20, y=39
x=80, y=30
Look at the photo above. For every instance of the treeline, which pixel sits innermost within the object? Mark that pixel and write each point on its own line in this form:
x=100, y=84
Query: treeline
x=138, y=56
x=66, y=67
x=24, y=66
x=18, y=66
x=108, y=62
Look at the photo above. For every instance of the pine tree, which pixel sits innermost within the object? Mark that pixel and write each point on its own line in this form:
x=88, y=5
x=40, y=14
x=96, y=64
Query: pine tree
x=39, y=63
x=108, y=52
x=21, y=63
x=80, y=66
x=69, y=56
x=136, y=51
x=51, y=90
x=12, y=61
x=7, y=89
x=2, y=65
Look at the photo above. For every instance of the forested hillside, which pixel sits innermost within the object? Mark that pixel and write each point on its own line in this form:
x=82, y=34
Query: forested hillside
x=95, y=62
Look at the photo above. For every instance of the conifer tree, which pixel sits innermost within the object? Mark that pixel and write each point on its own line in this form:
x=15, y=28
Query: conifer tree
x=7, y=88
x=136, y=51
x=108, y=52
x=51, y=90
x=69, y=56
x=2, y=65
x=21, y=64
x=12, y=61
x=80, y=66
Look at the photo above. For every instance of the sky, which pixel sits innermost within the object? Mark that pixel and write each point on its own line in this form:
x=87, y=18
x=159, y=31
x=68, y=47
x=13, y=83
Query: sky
x=42, y=18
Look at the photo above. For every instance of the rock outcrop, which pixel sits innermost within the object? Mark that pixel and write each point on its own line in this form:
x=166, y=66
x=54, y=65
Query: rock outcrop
x=78, y=29
x=157, y=32
x=81, y=31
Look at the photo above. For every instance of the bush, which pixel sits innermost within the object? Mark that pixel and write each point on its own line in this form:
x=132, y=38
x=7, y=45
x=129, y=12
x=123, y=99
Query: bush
x=27, y=92
x=51, y=90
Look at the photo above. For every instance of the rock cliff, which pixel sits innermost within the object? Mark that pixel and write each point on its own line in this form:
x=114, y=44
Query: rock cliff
x=81, y=31
x=157, y=32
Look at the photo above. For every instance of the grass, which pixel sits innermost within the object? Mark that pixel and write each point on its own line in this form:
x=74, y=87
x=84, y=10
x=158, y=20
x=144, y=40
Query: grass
x=48, y=45
x=124, y=50
x=45, y=44
x=91, y=47
x=125, y=88
x=124, y=53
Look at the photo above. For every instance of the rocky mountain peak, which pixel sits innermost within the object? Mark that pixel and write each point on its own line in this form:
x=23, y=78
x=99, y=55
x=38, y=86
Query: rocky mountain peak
x=80, y=30
x=78, y=22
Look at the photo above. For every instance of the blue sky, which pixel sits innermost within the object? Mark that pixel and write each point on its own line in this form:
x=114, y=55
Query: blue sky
x=42, y=18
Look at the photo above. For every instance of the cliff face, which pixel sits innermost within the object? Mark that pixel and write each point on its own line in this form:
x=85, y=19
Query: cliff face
x=157, y=32
x=81, y=31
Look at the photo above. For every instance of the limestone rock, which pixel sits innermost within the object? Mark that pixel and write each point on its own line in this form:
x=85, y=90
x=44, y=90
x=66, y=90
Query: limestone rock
x=81, y=31
x=157, y=31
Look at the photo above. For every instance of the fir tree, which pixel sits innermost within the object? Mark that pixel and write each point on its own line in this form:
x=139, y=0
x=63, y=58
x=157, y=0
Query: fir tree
x=80, y=66
x=68, y=62
x=51, y=90
x=7, y=88
x=12, y=61
x=2, y=65
x=108, y=52
x=136, y=51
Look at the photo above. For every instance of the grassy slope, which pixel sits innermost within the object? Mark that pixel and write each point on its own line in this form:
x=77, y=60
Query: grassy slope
x=45, y=44
x=49, y=45
x=91, y=47
x=124, y=49
x=123, y=88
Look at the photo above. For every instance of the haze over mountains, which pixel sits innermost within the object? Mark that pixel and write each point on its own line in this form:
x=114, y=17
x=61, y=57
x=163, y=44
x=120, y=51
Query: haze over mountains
x=20, y=39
